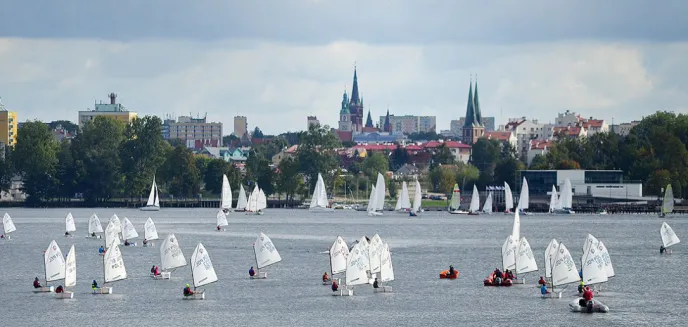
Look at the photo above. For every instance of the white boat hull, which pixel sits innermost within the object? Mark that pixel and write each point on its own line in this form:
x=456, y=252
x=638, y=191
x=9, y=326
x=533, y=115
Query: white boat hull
x=130, y=244
x=595, y=306
x=552, y=295
x=195, y=296
x=103, y=290
x=150, y=208
x=374, y=213
x=321, y=209
x=97, y=237
x=383, y=289
x=163, y=275
x=343, y=292
x=260, y=275
x=45, y=289
x=458, y=212
x=65, y=295
x=149, y=245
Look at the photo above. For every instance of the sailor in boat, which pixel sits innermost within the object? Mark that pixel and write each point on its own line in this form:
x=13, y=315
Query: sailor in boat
x=508, y=274
x=219, y=228
x=66, y=233
x=251, y=272
x=587, y=297
x=126, y=243
x=101, y=250
x=498, y=276
x=93, y=234
x=335, y=286
x=94, y=285
x=375, y=284
x=59, y=289
x=663, y=250
x=543, y=289
x=188, y=291
x=412, y=214
x=37, y=283
x=542, y=281
x=325, y=277
x=581, y=287
x=451, y=271
x=145, y=242
x=156, y=271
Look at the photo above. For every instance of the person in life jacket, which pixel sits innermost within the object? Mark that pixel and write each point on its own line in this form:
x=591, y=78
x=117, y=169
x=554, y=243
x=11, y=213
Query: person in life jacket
x=251, y=272
x=66, y=233
x=188, y=291
x=126, y=242
x=145, y=241
x=37, y=283
x=153, y=270
x=218, y=227
x=59, y=289
x=662, y=249
x=325, y=277
x=543, y=289
x=375, y=284
x=335, y=286
x=156, y=271
x=93, y=234
x=94, y=285
x=101, y=250
x=542, y=281
x=588, y=294
x=451, y=271
x=581, y=287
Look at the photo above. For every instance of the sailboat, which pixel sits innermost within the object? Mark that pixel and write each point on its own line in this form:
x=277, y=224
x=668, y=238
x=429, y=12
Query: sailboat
x=356, y=273
x=221, y=220
x=171, y=257
x=487, y=206
x=8, y=225
x=593, y=273
x=226, y=202
x=474, y=208
x=375, y=249
x=372, y=206
x=202, y=272
x=565, y=204
x=668, y=236
x=525, y=261
x=54, y=264
x=153, y=203
x=117, y=227
x=563, y=270
x=111, y=235
x=319, y=201
x=550, y=253
x=257, y=201
x=403, y=202
x=113, y=269
x=509, y=250
x=524, y=198
x=508, y=199
x=69, y=225
x=128, y=232
x=242, y=201
x=266, y=255
x=593, y=246
x=455, y=202
x=339, y=252
x=94, y=227
x=554, y=203
x=70, y=275
x=667, y=202
x=417, y=200
x=380, y=193
x=386, y=270
x=150, y=233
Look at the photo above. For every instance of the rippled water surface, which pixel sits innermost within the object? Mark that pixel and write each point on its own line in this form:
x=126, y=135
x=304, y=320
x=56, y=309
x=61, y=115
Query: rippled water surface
x=648, y=288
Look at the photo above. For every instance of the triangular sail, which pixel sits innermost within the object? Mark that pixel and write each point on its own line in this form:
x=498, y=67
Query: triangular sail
x=70, y=270
x=508, y=197
x=69, y=223
x=116, y=222
x=590, y=241
x=226, y=194
x=221, y=218
x=8, y=224
x=509, y=249
x=403, y=202
x=475, y=200
x=149, y=230
x=380, y=192
x=114, y=264
x=593, y=267
x=417, y=197
x=608, y=267
x=669, y=238
x=339, y=252
x=242, y=201
x=566, y=198
x=487, y=206
x=456, y=198
x=516, y=228
x=553, y=200
x=668, y=202
x=371, y=200
x=265, y=251
x=365, y=248
x=550, y=253
x=386, y=268
x=253, y=199
x=157, y=195
x=262, y=200
x=356, y=267
x=94, y=225
x=171, y=255
x=128, y=230
x=525, y=260
x=319, y=198
x=201, y=267
x=563, y=267
x=153, y=195
x=111, y=234
x=54, y=263
x=524, y=198
x=374, y=253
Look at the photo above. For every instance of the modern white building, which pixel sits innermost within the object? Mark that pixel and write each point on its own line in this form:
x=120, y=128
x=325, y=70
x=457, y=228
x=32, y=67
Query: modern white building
x=409, y=124
x=525, y=130
x=597, y=183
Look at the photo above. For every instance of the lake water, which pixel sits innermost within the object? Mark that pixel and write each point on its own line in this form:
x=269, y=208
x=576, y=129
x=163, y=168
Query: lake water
x=648, y=289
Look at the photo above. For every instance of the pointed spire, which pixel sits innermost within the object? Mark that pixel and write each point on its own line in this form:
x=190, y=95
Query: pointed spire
x=470, y=107
x=476, y=104
x=387, y=126
x=369, y=120
x=355, y=98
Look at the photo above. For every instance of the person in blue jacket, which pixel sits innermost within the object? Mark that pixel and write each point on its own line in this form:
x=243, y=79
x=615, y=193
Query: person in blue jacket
x=543, y=289
x=251, y=272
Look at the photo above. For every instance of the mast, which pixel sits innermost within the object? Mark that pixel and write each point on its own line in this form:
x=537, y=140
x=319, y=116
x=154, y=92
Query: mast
x=193, y=280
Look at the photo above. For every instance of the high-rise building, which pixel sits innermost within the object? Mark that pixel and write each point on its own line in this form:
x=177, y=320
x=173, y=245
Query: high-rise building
x=194, y=129
x=473, y=128
x=312, y=120
x=8, y=126
x=113, y=110
x=240, y=126
x=409, y=124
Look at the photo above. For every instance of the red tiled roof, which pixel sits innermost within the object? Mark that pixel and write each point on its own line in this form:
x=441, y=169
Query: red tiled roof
x=413, y=147
x=376, y=147
x=595, y=123
x=568, y=130
x=540, y=145
x=448, y=144
x=292, y=149
x=345, y=136
x=513, y=124
x=501, y=136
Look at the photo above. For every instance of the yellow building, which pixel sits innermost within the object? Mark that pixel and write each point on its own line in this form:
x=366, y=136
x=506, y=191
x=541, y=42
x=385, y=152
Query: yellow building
x=113, y=110
x=8, y=126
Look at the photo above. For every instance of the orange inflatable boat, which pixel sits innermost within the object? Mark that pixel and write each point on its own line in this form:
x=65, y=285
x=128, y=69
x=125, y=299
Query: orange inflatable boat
x=445, y=274
x=490, y=281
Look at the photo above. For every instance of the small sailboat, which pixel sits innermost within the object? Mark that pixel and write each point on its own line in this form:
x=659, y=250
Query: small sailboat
x=319, y=201
x=508, y=199
x=8, y=225
x=153, y=203
x=554, y=203
x=550, y=252
x=221, y=220
x=94, y=227
x=669, y=238
x=242, y=201
x=266, y=255
x=171, y=257
x=150, y=233
x=525, y=261
x=417, y=200
x=524, y=198
x=129, y=232
x=487, y=206
x=356, y=273
x=375, y=248
x=117, y=226
x=593, y=246
x=70, y=275
x=563, y=271
x=667, y=202
x=54, y=264
x=226, y=202
x=372, y=206
x=70, y=227
x=111, y=235
x=565, y=203
x=403, y=202
x=380, y=193
x=364, y=245
x=455, y=203
x=257, y=202
x=339, y=252
x=202, y=272
x=113, y=269
x=386, y=270
x=474, y=208
x=593, y=273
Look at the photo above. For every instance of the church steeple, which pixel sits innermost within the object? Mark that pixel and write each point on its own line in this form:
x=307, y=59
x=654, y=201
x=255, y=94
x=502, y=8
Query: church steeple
x=470, y=108
x=355, y=97
x=387, y=127
x=476, y=105
x=472, y=128
x=369, y=120
x=345, y=104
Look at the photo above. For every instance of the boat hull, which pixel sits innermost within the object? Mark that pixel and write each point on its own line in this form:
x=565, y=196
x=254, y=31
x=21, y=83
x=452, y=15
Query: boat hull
x=458, y=212
x=343, y=292
x=374, y=213
x=97, y=237
x=45, y=289
x=564, y=212
x=520, y=281
x=590, y=307
x=321, y=209
x=445, y=275
x=163, y=275
x=65, y=295
x=103, y=290
x=149, y=208
x=260, y=275
x=195, y=296
x=383, y=289
x=552, y=295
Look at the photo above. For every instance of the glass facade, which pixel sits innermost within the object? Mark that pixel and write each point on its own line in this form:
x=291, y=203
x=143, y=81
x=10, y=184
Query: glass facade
x=539, y=181
x=603, y=176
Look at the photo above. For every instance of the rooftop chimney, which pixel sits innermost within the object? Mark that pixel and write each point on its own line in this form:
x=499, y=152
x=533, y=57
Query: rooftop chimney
x=112, y=97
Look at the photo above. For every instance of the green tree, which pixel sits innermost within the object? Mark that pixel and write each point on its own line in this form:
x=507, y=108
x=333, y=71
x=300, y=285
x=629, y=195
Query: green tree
x=289, y=178
x=506, y=169
x=373, y=164
x=484, y=155
x=181, y=174
x=659, y=179
x=442, y=156
x=392, y=188
x=399, y=158
x=442, y=178
x=257, y=133
x=316, y=153
x=228, y=140
x=6, y=169
x=142, y=153
x=539, y=163
x=36, y=160
x=66, y=171
x=212, y=178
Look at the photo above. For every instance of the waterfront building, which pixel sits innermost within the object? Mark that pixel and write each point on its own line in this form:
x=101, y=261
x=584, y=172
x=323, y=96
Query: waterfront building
x=595, y=183
x=193, y=131
x=113, y=110
x=8, y=126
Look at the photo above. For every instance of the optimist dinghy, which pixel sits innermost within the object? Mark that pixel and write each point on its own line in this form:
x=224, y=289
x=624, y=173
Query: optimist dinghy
x=70, y=275
x=171, y=257
x=338, y=254
x=113, y=269
x=54, y=264
x=70, y=227
x=266, y=255
x=202, y=272
x=356, y=271
x=386, y=271
x=94, y=227
x=150, y=233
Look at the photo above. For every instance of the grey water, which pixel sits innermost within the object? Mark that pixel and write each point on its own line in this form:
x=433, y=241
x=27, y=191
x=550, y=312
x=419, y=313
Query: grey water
x=648, y=289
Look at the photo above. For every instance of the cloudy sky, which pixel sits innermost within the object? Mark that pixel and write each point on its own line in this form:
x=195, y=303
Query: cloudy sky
x=277, y=61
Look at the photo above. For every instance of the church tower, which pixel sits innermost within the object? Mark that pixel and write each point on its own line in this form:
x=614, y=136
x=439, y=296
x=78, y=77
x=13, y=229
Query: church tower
x=356, y=106
x=387, y=127
x=345, y=114
x=473, y=128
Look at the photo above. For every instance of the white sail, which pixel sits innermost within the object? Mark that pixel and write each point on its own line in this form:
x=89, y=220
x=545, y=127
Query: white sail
x=221, y=218
x=371, y=200
x=262, y=200
x=69, y=223
x=253, y=199
x=8, y=224
x=319, y=198
x=115, y=221
x=242, y=201
x=608, y=267
x=525, y=260
x=516, y=228
x=487, y=206
x=54, y=263
x=380, y=193
x=593, y=267
x=94, y=225
x=128, y=230
x=509, y=249
x=339, y=252
x=374, y=253
x=386, y=268
x=149, y=230
x=265, y=251
x=455, y=202
x=669, y=238
x=403, y=202
x=417, y=197
x=508, y=197
x=566, y=198
x=153, y=197
x=70, y=270
x=553, y=200
x=563, y=268
x=524, y=198
x=475, y=200
x=171, y=255
x=590, y=241
x=356, y=267
x=114, y=264
x=365, y=247
x=201, y=267
x=668, y=202
x=226, y=202
x=111, y=234
x=550, y=253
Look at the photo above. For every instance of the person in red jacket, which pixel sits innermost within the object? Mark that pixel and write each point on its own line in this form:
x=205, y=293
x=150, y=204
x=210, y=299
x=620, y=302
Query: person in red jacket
x=335, y=286
x=542, y=281
x=587, y=295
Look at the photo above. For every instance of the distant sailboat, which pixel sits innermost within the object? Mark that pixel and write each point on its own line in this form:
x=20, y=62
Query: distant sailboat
x=153, y=203
x=8, y=226
x=474, y=208
x=171, y=257
x=242, y=201
x=70, y=227
x=455, y=203
x=372, y=203
x=508, y=198
x=226, y=202
x=319, y=201
x=487, y=206
x=380, y=193
x=667, y=202
x=386, y=270
x=202, y=272
x=563, y=270
x=112, y=234
x=403, y=202
x=524, y=198
x=554, y=200
x=94, y=227
x=54, y=264
x=113, y=269
x=417, y=200
x=70, y=275
x=375, y=249
x=257, y=202
x=129, y=232
x=266, y=255
x=668, y=236
x=565, y=203
x=339, y=252
x=221, y=220
x=150, y=233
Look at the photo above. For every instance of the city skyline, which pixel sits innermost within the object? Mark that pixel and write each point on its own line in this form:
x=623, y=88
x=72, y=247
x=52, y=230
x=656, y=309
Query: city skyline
x=176, y=57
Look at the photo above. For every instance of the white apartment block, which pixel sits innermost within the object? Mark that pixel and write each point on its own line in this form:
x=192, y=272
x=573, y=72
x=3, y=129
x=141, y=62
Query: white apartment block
x=525, y=130
x=409, y=124
x=624, y=129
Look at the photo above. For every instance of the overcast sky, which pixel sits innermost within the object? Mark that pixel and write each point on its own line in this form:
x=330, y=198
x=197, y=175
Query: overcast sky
x=278, y=61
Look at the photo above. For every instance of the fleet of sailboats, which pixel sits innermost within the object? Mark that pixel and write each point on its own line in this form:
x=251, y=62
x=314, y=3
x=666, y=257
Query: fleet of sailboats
x=153, y=203
x=257, y=201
